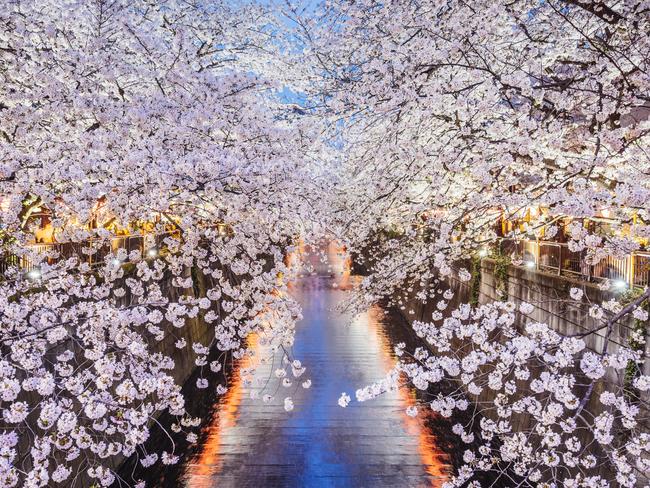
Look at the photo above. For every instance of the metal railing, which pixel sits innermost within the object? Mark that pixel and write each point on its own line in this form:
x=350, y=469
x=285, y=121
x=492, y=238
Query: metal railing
x=93, y=251
x=557, y=258
x=641, y=269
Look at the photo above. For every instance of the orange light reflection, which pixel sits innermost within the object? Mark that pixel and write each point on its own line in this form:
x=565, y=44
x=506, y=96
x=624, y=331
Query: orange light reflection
x=208, y=461
x=434, y=460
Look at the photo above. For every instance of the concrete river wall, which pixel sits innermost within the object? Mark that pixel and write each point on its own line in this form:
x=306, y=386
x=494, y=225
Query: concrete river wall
x=195, y=330
x=550, y=296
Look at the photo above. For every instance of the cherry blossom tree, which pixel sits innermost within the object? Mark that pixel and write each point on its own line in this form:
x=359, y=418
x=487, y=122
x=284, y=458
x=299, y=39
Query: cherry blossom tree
x=455, y=115
x=459, y=110
x=133, y=115
x=163, y=120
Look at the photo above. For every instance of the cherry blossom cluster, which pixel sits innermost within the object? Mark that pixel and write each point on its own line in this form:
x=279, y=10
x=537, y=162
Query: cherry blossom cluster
x=456, y=116
x=121, y=115
x=531, y=396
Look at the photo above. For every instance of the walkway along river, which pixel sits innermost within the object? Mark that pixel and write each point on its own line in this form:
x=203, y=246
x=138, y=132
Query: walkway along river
x=248, y=443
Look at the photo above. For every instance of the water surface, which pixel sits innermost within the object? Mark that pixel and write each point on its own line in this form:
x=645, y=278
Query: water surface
x=374, y=443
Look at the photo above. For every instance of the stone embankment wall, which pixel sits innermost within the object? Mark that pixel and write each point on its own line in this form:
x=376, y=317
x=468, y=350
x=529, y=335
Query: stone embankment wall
x=549, y=294
x=194, y=330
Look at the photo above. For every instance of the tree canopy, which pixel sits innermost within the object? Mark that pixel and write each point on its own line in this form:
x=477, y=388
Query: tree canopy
x=219, y=135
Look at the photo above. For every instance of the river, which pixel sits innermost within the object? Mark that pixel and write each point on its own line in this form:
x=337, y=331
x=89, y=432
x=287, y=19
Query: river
x=251, y=444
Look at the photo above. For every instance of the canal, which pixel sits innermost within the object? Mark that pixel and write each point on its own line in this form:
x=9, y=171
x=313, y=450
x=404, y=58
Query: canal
x=374, y=443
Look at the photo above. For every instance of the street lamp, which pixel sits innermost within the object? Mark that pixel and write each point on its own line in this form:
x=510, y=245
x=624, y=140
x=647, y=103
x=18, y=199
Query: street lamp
x=34, y=274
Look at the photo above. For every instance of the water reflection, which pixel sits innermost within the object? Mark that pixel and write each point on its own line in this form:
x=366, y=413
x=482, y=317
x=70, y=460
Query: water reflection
x=207, y=462
x=249, y=443
x=434, y=460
